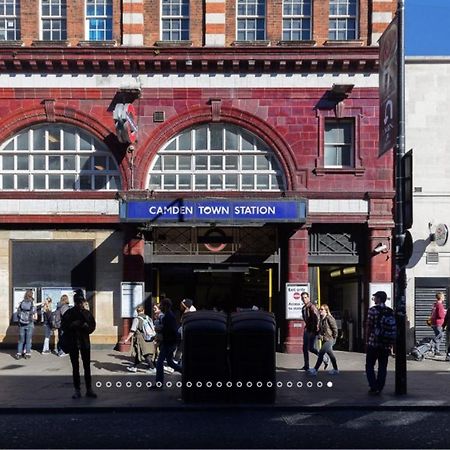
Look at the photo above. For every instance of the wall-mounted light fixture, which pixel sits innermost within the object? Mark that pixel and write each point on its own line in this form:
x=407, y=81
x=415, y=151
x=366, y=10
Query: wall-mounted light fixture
x=382, y=248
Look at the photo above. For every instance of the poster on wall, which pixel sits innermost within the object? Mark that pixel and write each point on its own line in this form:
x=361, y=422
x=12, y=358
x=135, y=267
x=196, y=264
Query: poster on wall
x=132, y=295
x=55, y=293
x=294, y=303
x=386, y=287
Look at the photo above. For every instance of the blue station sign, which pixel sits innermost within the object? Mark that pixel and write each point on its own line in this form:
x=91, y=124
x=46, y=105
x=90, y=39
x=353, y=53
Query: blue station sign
x=223, y=211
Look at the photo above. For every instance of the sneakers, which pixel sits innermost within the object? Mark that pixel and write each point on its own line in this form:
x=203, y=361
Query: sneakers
x=77, y=394
x=91, y=394
x=132, y=369
x=168, y=369
x=46, y=352
x=151, y=371
x=61, y=354
x=334, y=372
x=374, y=392
x=17, y=356
x=304, y=368
x=27, y=355
x=312, y=372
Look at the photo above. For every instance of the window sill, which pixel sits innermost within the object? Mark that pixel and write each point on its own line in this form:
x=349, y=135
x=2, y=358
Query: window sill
x=357, y=171
x=41, y=43
x=11, y=43
x=173, y=43
x=344, y=43
x=304, y=43
x=251, y=43
x=111, y=43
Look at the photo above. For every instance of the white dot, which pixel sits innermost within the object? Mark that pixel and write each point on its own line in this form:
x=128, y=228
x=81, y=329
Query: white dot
x=279, y=384
x=239, y=384
x=209, y=384
x=330, y=384
x=128, y=384
x=169, y=384
x=108, y=384
x=259, y=384
x=319, y=384
x=179, y=383
x=148, y=384
x=199, y=384
x=219, y=384
x=118, y=384
x=98, y=384
x=249, y=384
x=269, y=384
x=289, y=384
x=309, y=384
x=229, y=384
x=189, y=384
x=158, y=384
x=299, y=384
x=138, y=384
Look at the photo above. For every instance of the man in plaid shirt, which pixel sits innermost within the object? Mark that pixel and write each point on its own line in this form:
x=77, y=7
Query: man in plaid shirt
x=376, y=350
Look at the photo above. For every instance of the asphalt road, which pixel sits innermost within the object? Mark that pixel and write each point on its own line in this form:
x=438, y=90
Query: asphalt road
x=228, y=428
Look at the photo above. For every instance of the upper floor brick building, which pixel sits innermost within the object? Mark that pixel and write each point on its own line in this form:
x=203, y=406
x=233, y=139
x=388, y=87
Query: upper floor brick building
x=248, y=165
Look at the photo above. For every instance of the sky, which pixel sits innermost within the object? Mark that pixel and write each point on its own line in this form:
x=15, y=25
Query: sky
x=427, y=27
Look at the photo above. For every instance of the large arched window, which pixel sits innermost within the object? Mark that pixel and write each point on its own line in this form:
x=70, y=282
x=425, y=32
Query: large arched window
x=57, y=157
x=216, y=157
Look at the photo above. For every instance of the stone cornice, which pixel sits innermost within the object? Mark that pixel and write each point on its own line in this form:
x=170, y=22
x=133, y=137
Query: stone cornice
x=109, y=60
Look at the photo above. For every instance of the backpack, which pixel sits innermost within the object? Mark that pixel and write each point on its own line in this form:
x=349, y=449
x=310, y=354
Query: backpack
x=148, y=329
x=25, y=312
x=386, y=327
x=55, y=319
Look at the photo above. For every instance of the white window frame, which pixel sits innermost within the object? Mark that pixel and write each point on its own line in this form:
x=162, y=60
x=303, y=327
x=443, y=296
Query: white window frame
x=339, y=147
x=105, y=17
x=344, y=18
x=60, y=19
x=10, y=23
x=248, y=17
x=247, y=164
x=300, y=17
x=87, y=165
x=183, y=20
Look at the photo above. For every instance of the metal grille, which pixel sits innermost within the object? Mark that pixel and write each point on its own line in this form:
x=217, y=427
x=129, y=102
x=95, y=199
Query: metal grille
x=332, y=244
x=424, y=299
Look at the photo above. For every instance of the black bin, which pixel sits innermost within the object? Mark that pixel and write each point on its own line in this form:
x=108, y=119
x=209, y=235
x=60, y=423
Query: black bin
x=205, y=361
x=252, y=356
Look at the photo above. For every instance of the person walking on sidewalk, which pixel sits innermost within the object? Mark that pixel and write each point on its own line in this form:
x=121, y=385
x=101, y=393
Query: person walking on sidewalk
x=378, y=345
x=141, y=350
x=26, y=315
x=437, y=320
x=310, y=333
x=328, y=332
x=77, y=324
x=48, y=328
x=168, y=329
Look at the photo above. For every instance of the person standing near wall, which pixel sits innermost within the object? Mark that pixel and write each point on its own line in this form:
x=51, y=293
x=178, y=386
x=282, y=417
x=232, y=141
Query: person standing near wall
x=437, y=320
x=26, y=315
x=77, y=324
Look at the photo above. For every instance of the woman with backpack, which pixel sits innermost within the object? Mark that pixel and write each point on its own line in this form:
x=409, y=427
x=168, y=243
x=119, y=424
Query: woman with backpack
x=26, y=315
x=328, y=332
x=141, y=349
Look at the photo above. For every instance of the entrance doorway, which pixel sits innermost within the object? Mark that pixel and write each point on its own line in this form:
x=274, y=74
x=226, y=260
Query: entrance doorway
x=220, y=287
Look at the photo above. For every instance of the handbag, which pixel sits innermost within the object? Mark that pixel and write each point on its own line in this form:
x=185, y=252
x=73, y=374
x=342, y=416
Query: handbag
x=429, y=321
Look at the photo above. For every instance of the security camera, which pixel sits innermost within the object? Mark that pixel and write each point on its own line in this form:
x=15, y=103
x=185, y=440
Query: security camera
x=380, y=248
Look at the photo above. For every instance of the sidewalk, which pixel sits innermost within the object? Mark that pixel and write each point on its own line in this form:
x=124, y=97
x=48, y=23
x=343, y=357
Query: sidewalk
x=45, y=382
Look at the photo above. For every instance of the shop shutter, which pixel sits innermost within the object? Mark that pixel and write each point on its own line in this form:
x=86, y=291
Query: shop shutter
x=424, y=299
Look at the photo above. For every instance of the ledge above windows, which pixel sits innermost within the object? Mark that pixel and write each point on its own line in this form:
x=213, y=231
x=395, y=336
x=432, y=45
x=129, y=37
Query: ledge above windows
x=42, y=43
x=357, y=171
x=173, y=43
x=308, y=43
x=111, y=43
x=11, y=43
x=251, y=43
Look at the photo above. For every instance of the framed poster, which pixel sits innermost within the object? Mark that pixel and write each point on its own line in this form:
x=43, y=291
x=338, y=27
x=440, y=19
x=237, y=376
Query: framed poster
x=131, y=295
x=55, y=293
x=386, y=287
x=294, y=303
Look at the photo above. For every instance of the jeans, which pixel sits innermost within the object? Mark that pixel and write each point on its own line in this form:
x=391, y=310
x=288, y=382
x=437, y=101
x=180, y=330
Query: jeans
x=438, y=335
x=377, y=382
x=86, y=358
x=309, y=345
x=47, y=336
x=165, y=354
x=25, y=337
x=326, y=349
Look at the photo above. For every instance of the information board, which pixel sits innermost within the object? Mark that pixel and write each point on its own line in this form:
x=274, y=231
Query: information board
x=294, y=303
x=132, y=295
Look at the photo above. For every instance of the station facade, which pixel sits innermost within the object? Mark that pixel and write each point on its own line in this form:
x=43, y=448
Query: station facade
x=251, y=171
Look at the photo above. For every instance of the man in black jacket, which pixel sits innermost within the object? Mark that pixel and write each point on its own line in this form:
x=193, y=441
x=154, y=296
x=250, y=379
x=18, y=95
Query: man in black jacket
x=77, y=324
x=168, y=330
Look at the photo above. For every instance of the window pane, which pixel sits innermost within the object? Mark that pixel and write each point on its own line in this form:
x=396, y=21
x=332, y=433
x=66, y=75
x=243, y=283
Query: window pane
x=216, y=182
x=22, y=141
x=85, y=182
x=184, y=142
x=22, y=162
x=201, y=138
x=184, y=162
x=39, y=162
x=247, y=162
x=8, y=181
x=170, y=181
x=54, y=182
x=184, y=182
x=169, y=162
x=262, y=181
x=231, y=181
x=247, y=182
x=69, y=163
x=54, y=163
x=39, y=139
x=330, y=156
x=85, y=163
x=231, y=139
x=216, y=137
x=85, y=142
x=100, y=182
x=262, y=162
x=201, y=182
x=201, y=162
x=155, y=182
x=216, y=162
x=22, y=182
x=114, y=183
x=39, y=181
x=100, y=163
x=69, y=182
x=8, y=162
x=69, y=140
x=231, y=162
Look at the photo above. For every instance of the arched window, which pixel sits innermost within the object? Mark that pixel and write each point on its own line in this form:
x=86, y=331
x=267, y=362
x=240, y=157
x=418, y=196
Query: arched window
x=216, y=157
x=57, y=157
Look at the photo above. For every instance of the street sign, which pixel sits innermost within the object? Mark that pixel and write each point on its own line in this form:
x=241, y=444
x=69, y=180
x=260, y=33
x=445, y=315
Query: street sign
x=388, y=88
x=294, y=303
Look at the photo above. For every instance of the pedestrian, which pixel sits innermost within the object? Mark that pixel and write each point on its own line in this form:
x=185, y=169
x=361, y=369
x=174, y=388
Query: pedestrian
x=377, y=347
x=311, y=318
x=168, y=330
x=61, y=308
x=186, y=307
x=48, y=328
x=328, y=332
x=437, y=319
x=141, y=350
x=26, y=315
x=77, y=324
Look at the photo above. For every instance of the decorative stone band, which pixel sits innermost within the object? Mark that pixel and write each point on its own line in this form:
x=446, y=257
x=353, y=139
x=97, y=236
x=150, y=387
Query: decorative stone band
x=215, y=23
x=382, y=14
x=133, y=23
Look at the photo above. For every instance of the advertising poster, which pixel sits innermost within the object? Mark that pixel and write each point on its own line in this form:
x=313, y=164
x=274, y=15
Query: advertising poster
x=294, y=302
x=132, y=295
